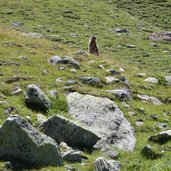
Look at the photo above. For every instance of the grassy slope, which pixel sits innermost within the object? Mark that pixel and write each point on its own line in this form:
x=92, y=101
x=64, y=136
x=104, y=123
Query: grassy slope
x=62, y=18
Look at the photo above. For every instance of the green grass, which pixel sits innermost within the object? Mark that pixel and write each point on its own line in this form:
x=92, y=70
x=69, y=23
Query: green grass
x=57, y=21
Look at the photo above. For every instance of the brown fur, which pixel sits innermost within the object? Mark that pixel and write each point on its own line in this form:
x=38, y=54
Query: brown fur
x=93, y=48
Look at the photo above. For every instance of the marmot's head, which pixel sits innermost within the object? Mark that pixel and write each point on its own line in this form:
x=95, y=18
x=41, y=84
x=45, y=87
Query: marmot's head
x=93, y=38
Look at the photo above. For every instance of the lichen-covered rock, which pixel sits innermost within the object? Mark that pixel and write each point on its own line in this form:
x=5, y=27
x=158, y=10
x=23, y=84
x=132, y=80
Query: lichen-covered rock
x=104, y=118
x=36, y=99
x=102, y=164
x=21, y=142
x=63, y=130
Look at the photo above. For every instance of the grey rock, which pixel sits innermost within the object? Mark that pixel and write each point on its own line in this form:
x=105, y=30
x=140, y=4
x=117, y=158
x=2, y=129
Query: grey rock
x=151, y=80
x=17, y=91
x=168, y=79
x=37, y=35
x=121, y=94
x=161, y=36
x=9, y=110
x=63, y=147
x=131, y=46
x=124, y=80
x=141, y=74
x=101, y=164
x=53, y=93
x=72, y=156
x=148, y=152
x=71, y=82
x=41, y=118
x=118, y=30
x=64, y=60
x=151, y=99
x=111, y=80
x=93, y=81
x=36, y=99
x=161, y=138
x=17, y=24
x=21, y=142
x=63, y=130
x=4, y=102
x=113, y=72
x=104, y=118
x=121, y=70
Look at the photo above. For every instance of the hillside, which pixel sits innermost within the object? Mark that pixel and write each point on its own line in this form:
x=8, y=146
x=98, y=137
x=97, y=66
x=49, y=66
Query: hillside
x=31, y=33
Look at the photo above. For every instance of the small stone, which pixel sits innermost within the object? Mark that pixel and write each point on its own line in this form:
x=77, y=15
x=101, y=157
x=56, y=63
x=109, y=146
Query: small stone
x=41, y=118
x=53, y=93
x=168, y=79
x=121, y=70
x=22, y=57
x=111, y=80
x=151, y=80
x=141, y=75
x=17, y=24
x=73, y=70
x=131, y=46
x=162, y=125
x=154, y=117
x=17, y=91
x=118, y=30
x=59, y=79
x=4, y=102
x=114, y=72
x=9, y=110
x=72, y=156
x=139, y=122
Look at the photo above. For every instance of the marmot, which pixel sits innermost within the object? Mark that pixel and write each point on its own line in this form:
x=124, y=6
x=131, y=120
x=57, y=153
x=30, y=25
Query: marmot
x=93, y=48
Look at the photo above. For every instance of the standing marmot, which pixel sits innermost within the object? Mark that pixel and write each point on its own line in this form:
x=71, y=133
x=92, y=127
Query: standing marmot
x=92, y=47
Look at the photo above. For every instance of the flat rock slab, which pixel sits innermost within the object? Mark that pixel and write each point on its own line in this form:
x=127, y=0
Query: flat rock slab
x=104, y=118
x=21, y=142
x=63, y=130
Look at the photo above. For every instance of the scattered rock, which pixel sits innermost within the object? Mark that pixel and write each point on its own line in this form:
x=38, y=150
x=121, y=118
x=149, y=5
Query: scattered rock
x=141, y=75
x=139, y=122
x=148, y=152
x=168, y=79
x=59, y=79
x=64, y=60
x=161, y=36
x=70, y=89
x=23, y=143
x=151, y=80
x=124, y=80
x=104, y=118
x=162, y=125
x=17, y=24
x=16, y=79
x=72, y=156
x=63, y=147
x=113, y=72
x=17, y=91
x=111, y=80
x=118, y=30
x=121, y=94
x=63, y=130
x=36, y=99
x=53, y=93
x=9, y=110
x=102, y=164
x=1, y=73
x=4, y=102
x=131, y=46
x=153, y=100
x=154, y=117
x=73, y=70
x=37, y=35
x=161, y=138
x=121, y=70
x=23, y=58
x=93, y=81
x=41, y=118
x=81, y=52
x=71, y=82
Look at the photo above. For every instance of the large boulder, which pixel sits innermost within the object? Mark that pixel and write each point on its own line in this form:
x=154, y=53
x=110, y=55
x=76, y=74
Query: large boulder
x=36, y=99
x=21, y=142
x=101, y=164
x=104, y=118
x=63, y=130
